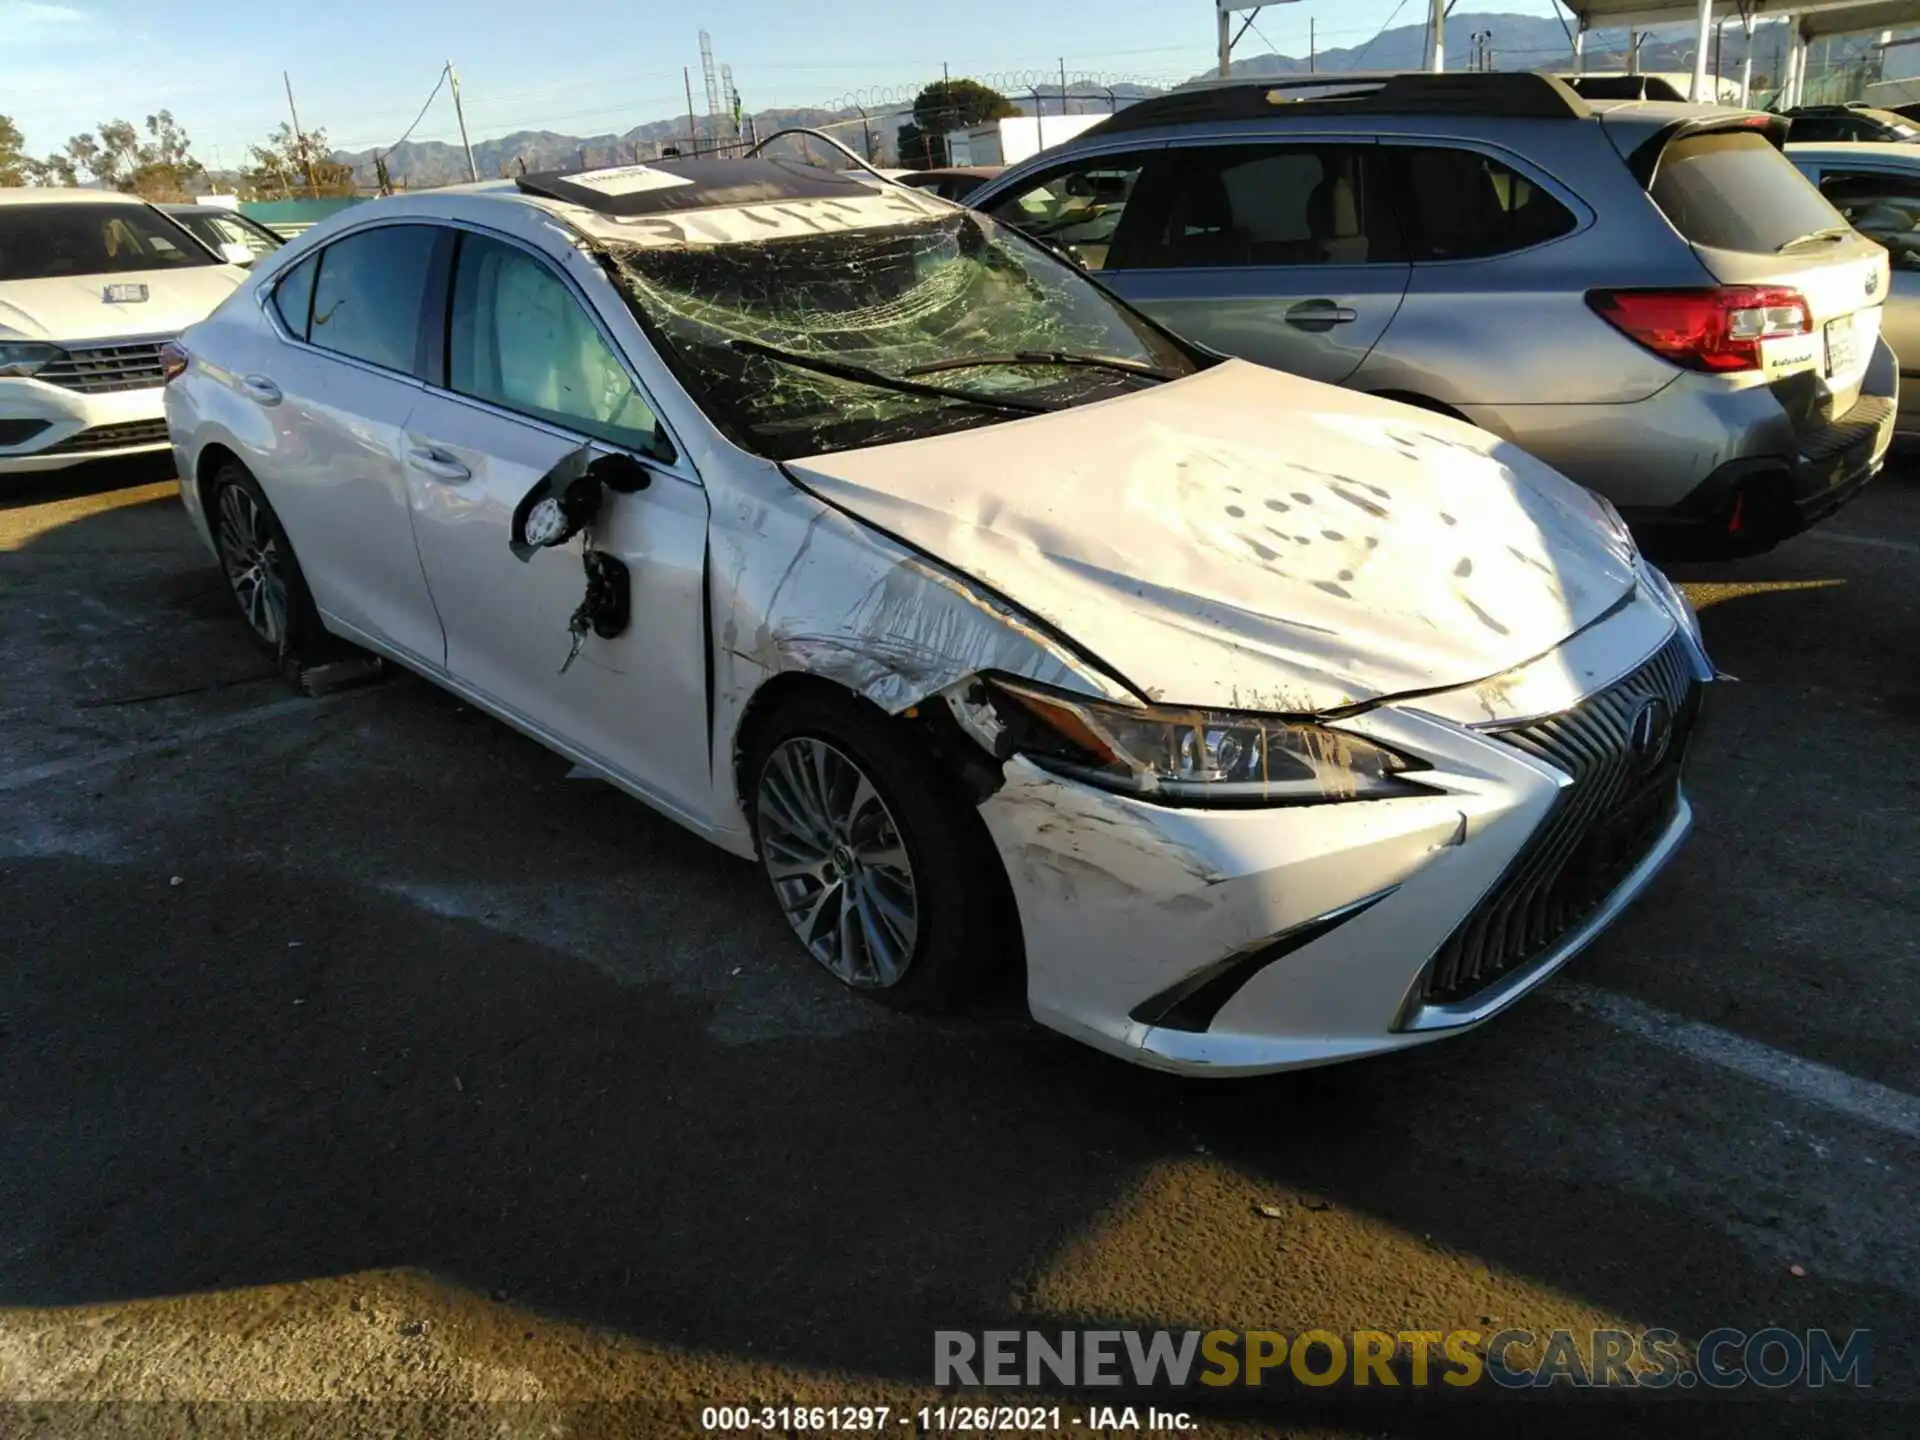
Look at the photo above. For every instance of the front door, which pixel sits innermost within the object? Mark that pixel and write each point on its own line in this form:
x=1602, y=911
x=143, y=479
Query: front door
x=531, y=378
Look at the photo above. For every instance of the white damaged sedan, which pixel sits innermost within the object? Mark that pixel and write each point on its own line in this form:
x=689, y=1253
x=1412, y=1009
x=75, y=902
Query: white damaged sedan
x=1260, y=723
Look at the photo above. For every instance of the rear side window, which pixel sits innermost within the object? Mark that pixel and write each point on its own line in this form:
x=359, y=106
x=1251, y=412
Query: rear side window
x=293, y=296
x=1812, y=129
x=366, y=302
x=1469, y=206
x=1240, y=205
x=1735, y=191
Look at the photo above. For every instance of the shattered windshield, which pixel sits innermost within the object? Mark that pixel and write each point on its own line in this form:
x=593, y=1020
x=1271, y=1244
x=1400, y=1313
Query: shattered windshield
x=808, y=344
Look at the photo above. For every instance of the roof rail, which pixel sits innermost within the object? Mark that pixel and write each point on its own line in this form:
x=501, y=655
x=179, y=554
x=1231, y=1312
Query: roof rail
x=1623, y=87
x=1518, y=94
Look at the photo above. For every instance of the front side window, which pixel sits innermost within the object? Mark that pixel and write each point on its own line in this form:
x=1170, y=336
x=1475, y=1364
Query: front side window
x=45, y=242
x=1078, y=210
x=1240, y=205
x=520, y=339
x=932, y=326
x=226, y=230
x=367, y=299
x=1467, y=206
x=1884, y=208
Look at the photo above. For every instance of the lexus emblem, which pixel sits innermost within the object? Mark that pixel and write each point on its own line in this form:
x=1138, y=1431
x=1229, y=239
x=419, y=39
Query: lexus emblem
x=1650, y=732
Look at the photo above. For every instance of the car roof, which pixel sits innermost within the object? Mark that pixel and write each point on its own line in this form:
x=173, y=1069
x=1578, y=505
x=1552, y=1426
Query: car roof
x=63, y=195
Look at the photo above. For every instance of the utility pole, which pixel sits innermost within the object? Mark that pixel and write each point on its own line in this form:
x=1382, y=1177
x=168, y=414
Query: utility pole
x=693, y=131
x=299, y=136
x=1313, y=46
x=453, y=83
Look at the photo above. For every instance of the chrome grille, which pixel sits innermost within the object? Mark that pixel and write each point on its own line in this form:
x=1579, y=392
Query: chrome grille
x=101, y=369
x=1602, y=826
x=111, y=437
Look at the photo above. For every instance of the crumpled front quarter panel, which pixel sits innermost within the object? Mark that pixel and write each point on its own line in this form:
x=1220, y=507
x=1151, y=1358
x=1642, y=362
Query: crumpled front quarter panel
x=797, y=587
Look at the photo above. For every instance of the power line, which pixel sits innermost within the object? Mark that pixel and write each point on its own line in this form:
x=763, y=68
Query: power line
x=1378, y=33
x=423, y=111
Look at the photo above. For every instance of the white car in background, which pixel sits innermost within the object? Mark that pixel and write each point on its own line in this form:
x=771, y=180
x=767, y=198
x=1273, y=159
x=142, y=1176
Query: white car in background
x=1262, y=723
x=92, y=284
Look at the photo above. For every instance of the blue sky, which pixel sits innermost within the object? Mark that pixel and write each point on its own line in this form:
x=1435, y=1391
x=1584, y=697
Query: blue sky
x=362, y=68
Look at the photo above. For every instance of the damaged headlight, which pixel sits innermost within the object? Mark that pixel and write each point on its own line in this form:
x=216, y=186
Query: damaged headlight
x=1193, y=756
x=25, y=357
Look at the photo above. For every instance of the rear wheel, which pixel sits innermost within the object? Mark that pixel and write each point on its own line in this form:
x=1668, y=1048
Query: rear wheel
x=258, y=561
x=880, y=865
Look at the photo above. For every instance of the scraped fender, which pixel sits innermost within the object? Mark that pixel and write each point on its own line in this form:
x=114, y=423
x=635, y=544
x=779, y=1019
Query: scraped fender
x=797, y=587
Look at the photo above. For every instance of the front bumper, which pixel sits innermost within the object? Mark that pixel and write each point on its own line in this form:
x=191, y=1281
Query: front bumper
x=49, y=427
x=1224, y=942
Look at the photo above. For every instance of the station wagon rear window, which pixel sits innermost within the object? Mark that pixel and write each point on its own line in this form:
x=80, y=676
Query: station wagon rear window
x=1736, y=191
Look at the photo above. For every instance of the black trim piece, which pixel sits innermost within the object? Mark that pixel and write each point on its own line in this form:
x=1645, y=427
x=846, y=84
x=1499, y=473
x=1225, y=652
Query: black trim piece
x=1191, y=1004
x=18, y=432
x=436, y=305
x=706, y=629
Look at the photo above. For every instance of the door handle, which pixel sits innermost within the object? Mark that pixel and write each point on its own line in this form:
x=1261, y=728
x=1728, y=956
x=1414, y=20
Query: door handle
x=260, y=388
x=1320, y=315
x=429, y=460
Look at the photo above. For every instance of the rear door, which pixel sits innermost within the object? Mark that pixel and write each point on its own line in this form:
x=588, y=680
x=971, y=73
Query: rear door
x=336, y=391
x=1286, y=253
x=1753, y=219
x=1883, y=203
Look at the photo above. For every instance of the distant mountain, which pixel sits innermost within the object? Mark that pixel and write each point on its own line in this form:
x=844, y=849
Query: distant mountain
x=427, y=163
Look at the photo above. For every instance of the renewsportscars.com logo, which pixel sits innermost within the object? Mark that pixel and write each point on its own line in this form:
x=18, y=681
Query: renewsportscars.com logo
x=1724, y=1359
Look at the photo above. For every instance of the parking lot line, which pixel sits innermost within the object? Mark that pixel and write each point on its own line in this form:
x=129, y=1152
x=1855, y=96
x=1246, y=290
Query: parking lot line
x=1872, y=542
x=1876, y=1105
x=185, y=735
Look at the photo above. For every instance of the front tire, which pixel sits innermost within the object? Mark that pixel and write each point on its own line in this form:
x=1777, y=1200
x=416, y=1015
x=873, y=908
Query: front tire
x=881, y=866
x=258, y=561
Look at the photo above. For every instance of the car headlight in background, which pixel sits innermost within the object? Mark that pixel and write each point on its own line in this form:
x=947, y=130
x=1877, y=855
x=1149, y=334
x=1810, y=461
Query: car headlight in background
x=18, y=357
x=1181, y=756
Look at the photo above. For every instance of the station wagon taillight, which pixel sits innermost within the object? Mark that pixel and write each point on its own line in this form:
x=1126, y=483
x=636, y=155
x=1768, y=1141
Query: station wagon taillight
x=173, y=360
x=1718, y=329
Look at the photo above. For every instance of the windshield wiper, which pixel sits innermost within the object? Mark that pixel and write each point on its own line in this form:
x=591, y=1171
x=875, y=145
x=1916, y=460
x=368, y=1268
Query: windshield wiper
x=1047, y=357
x=861, y=375
x=1832, y=232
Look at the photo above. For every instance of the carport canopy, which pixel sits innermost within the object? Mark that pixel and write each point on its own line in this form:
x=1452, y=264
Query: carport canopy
x=1813, y=19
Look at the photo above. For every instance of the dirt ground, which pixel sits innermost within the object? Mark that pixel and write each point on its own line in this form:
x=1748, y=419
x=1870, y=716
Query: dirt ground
x=351, y=1052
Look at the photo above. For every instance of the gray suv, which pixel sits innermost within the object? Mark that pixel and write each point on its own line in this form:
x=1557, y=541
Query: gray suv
x=1647, y=295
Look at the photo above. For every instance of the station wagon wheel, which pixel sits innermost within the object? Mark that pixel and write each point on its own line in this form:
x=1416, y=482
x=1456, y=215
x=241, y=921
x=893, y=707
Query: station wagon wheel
x=880, y=865
x=259, y=564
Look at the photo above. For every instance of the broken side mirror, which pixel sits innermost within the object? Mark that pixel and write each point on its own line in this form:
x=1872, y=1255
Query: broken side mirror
x=569, y=496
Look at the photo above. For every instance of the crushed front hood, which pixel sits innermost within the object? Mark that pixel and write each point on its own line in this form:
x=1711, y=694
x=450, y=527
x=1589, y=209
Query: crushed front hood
x=1245, y=539
x=66, y=308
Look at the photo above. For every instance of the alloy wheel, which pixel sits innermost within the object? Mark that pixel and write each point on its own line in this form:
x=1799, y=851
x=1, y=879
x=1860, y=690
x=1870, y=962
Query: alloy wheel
x=837, y=863
x=250, y=554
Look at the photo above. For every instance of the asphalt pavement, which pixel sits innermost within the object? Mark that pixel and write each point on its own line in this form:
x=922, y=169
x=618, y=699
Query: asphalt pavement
x=351, y=1051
